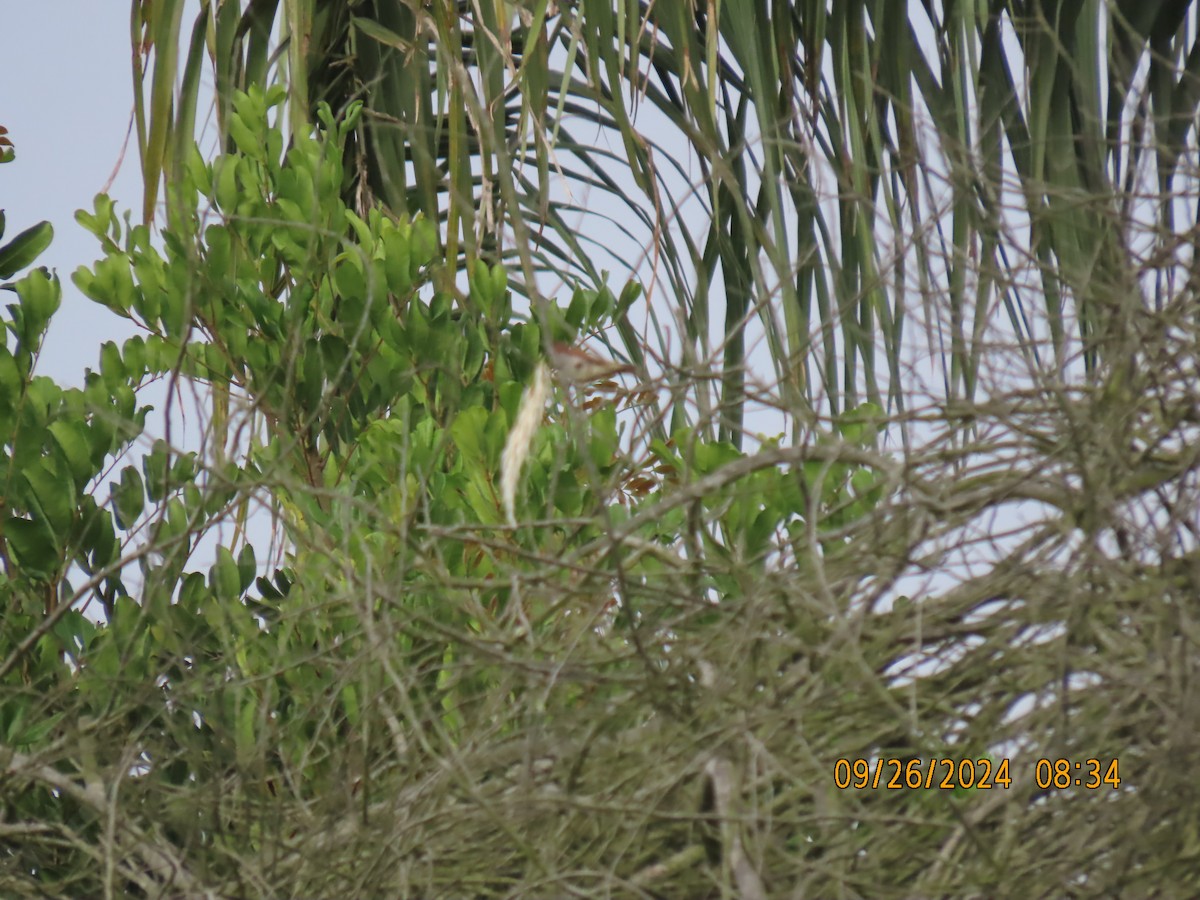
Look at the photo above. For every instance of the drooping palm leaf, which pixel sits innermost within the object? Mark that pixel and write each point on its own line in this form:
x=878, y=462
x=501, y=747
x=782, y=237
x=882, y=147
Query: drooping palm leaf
x=809, y=125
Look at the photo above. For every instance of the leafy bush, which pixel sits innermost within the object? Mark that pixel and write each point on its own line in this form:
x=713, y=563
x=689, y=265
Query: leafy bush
x=236, y=727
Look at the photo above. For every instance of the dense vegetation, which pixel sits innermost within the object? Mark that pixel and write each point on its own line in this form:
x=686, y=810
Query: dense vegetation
x=669, y=670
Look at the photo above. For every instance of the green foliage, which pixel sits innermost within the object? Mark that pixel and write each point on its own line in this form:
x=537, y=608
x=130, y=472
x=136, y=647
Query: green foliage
x=839, y=177
x=379, y=405
x=20, y=252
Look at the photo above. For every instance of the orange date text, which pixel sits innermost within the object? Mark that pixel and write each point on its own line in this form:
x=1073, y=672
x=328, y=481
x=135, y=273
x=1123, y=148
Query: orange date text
x=921, y=774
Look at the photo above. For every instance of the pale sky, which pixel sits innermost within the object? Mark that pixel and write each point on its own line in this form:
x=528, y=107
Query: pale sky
x=65, y=97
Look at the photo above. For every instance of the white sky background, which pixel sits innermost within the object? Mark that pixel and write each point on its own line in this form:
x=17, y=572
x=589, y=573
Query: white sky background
x=66, y=96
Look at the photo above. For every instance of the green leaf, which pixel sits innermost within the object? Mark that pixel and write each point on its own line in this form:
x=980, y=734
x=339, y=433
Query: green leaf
x=33, y=546
x=192, y=592
x=21, y=251
x=868, y=485
x=266, y=589
x=104, y=217
x=629, y=295
x=711, y=456
x=11, y=382
x=164, y=34
x=223, y=577
x=348, y=277
x=247, y=567
x=111, y=284
x=129, y=498
x=577, y=311
x=71, y=436
x=247, y=718
x=350, y=116
x=495, y=436
x=366, y=239
x=397, y=261
x=183, y=470
x=198, y=170
x=246, y=138
x=12, y=719
x=759, y=532
x=604, y=436
x=40, y=297
x=175, y=522
x=467, y=432
x=51, y=494
x=112, y=368
x=312, y=384
x=155, y=465
x=172, y=314
x=481, y=498
x=385, y=36
x=424, y=241
x=226, y=188
x=861, y=424
x=100, y=541
x=134, y=354
x=499, y=279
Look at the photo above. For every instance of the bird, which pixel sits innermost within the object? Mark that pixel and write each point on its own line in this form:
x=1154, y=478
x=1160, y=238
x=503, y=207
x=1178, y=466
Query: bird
x=581, y=367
